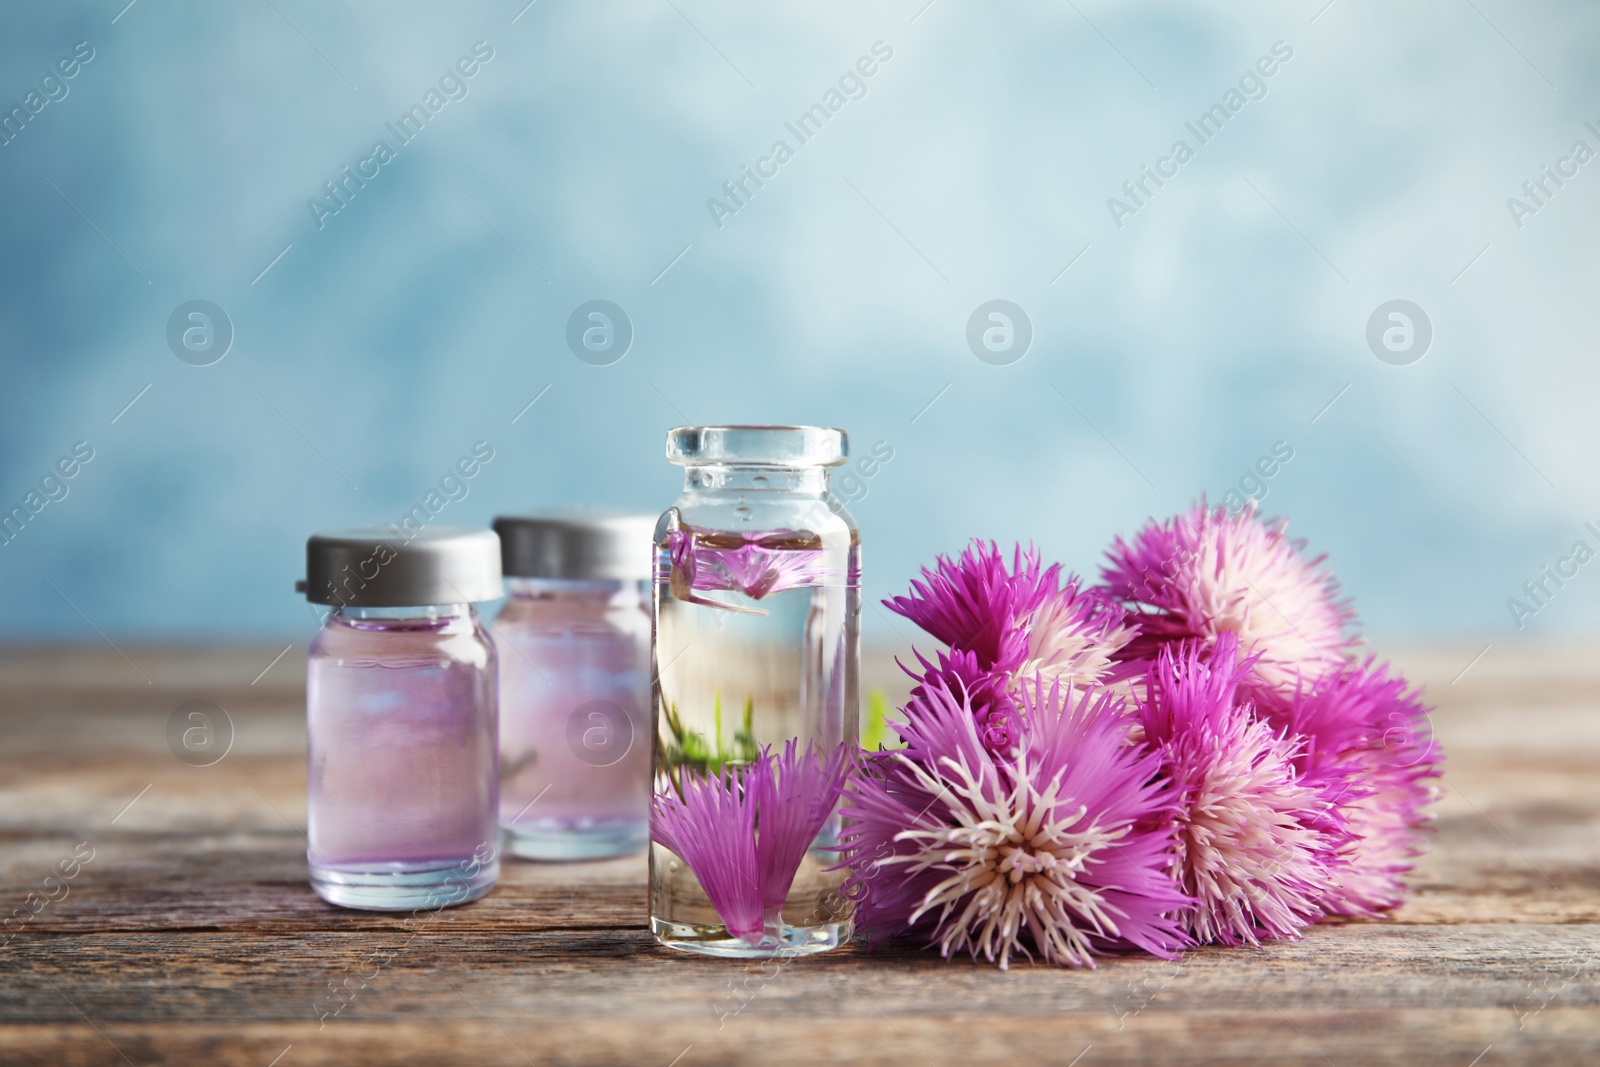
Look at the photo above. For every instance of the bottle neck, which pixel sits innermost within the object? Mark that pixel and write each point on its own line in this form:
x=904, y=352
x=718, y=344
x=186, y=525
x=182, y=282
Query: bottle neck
x=409, y=618
x=719, y=478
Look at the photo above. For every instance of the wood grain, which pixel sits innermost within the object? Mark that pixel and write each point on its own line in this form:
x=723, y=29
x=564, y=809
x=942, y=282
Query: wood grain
x=191, y=936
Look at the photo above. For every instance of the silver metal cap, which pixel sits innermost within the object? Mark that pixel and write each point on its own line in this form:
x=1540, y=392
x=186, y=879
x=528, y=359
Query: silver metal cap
x=578, y=544
x=378, y=567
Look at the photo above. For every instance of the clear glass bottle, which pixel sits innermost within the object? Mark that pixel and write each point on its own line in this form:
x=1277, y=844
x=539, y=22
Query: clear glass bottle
x=401, y=719
x=574, y=649
x=756, y=650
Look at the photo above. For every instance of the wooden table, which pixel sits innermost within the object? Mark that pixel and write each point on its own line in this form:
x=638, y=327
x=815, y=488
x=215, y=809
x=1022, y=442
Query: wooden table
x=190, y=936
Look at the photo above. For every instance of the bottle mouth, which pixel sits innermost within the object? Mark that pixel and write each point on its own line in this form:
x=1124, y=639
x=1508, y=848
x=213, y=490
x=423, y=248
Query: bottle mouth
x=784, y=447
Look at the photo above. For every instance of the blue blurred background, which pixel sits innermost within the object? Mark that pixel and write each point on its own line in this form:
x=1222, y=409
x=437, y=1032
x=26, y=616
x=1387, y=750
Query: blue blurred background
x=374, y=344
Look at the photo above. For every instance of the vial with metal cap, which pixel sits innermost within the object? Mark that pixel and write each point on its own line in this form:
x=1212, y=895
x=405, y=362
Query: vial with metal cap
x=574, y=649
x=401, y=717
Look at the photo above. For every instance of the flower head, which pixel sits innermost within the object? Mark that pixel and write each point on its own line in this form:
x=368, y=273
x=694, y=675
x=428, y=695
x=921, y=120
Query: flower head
x=755, y=564
x=987, y=693
x=744, y=831
x=794, y=796
x=1009, y=626
x=1363, y=725
x=1258, y=841
x=1074, y=636
x=1204, y=573
x=978, y=605
x=1061, y=852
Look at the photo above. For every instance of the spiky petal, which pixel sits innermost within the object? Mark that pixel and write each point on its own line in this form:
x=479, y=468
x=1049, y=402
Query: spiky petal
x=792, y=802
x=988, y=695
x=978, y=604
x=1061, y=852
x=744, y=831
x=713, y=830
x=1008, y=626
x=1205, y=573
x=1074, y=636
x=1365, y=725
x=1258, y=842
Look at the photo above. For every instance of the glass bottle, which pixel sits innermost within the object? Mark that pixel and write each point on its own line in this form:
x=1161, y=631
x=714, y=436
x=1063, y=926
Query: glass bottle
x=756, y=652
x=401, y=719
x=574, y=650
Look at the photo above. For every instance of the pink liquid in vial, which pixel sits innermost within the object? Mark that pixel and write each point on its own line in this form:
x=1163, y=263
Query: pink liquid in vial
x=574, y=720
x=401, y=727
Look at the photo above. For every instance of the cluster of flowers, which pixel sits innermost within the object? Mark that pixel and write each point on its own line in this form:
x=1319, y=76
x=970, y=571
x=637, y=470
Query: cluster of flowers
x=1188, y=753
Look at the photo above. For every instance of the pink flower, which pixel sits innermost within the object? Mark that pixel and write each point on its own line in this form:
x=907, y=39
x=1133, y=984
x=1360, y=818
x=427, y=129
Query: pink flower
x=1202, y=574
x=713, y=830
x=977, y=605
x=794, y=795
x=1074, y=637
x=1258, y=841
x=1363, y=724
x=744, y=831
x=1061, y=852
x=755, y=564
x=988, y=695
x=1009, y=627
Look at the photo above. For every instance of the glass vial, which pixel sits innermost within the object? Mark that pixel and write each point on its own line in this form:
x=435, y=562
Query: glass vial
x=756, y=650
x=574, y=651
x=400, y=718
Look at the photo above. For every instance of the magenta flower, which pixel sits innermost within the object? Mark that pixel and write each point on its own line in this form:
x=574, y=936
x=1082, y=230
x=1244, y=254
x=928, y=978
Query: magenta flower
x=744, y=831
x=1009, y=627
x=988, y=695
x=1062, y=851
x=1202, y=574
x=1258, y=841
x=713, y=830
x=1363, y=724
x=978, y=605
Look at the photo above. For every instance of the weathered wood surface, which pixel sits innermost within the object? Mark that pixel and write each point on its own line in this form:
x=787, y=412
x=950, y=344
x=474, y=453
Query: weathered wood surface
x=191, y=937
